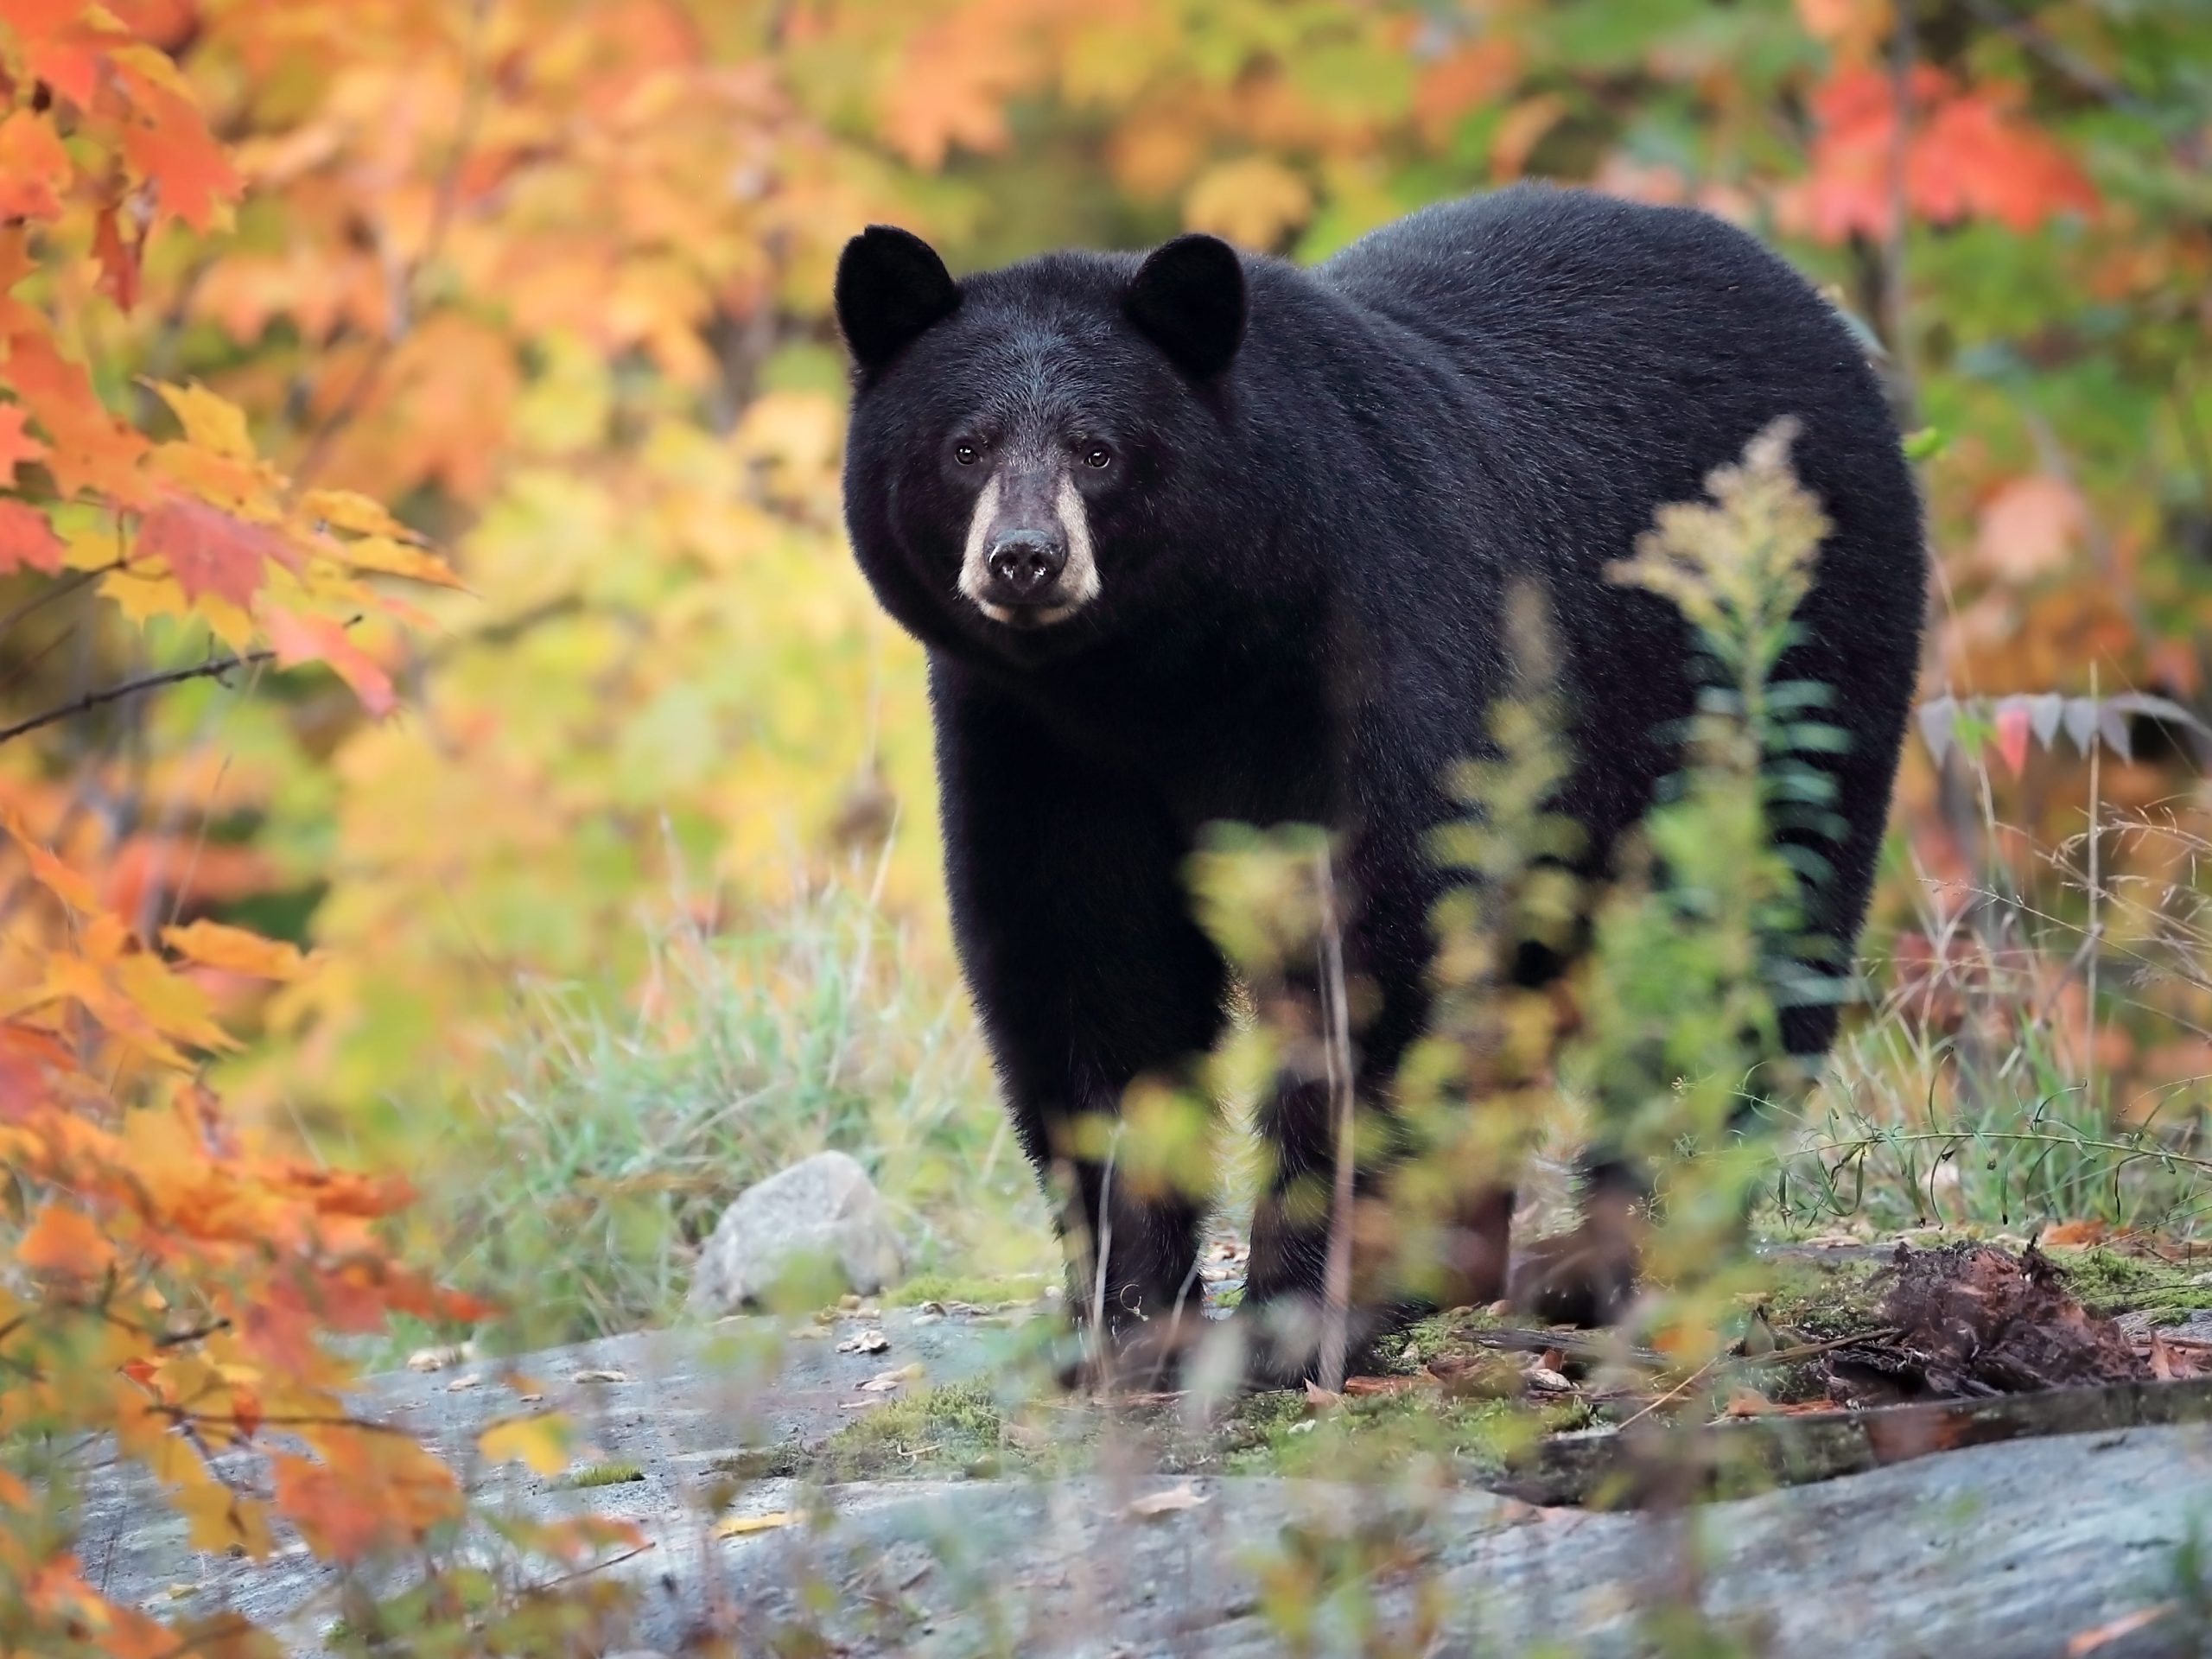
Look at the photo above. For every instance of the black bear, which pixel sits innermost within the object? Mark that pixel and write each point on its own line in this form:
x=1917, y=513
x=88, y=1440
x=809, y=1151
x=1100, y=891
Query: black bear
x=1202, y=535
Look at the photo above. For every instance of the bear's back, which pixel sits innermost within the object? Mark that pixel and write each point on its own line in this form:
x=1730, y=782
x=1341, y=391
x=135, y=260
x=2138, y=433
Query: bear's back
x=1534, y=267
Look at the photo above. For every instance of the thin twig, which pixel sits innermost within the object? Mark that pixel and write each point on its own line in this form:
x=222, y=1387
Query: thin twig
x=1674, y=1393
x=214, y=669
x=69, y=584
x=1336, y=1042
x=2081, y=1142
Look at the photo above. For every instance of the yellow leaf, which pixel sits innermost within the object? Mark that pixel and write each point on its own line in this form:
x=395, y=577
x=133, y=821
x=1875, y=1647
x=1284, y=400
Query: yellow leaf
x=208, y=421
x=388, y=557
x=1255, y=201
x=65, y=1244
x=541, y=1441
x=141, y=597
x=350, y=510
x=235, y=950
x=174, y=1005
x=739, y=1526
x=220, y=1518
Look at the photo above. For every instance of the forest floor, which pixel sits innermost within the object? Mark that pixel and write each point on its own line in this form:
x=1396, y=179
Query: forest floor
x=902, y=1479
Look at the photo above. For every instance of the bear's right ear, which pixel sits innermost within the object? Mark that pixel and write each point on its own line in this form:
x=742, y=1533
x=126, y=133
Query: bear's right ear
x=1188, y=298
x=891, y=286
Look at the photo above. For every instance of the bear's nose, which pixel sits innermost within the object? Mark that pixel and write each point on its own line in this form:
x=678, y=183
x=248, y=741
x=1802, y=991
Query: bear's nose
x=1024, y=564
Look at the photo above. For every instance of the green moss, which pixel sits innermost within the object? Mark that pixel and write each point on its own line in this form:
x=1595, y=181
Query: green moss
x=1820, y=1300
x=936, y=1431
x=761, y=1462
x=1441, y=1336
x=1379, y=1436
x=2108, y=1282
x=599, y=1474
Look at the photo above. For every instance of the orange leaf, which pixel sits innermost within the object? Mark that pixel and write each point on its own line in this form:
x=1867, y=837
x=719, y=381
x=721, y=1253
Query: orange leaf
x=34, y=167
x=171, y=151
x=89, y=447
x=65, y=1244
x=27, y=540
x=208, y=552
x=234, y=951
x=16, y=446
x=317, y=638
x=73, y=888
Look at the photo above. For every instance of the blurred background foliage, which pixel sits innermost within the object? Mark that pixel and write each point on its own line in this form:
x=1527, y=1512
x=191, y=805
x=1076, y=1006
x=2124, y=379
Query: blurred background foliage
x=550, y=277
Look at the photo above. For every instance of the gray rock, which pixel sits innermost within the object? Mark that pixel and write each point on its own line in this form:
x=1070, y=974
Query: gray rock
x=1995, y=1552
x=2028, y=1550
x=823, y=1206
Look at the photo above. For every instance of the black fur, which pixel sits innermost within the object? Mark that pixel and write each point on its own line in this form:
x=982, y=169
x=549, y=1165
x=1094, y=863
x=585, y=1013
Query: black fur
x=1305, y=541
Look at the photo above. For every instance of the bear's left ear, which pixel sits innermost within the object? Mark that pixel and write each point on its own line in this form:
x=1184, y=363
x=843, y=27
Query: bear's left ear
x=1188, y=298
x=891, y=286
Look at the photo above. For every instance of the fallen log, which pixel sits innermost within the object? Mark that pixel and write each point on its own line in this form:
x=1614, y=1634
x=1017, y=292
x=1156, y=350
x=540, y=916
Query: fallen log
x=1654, y=1462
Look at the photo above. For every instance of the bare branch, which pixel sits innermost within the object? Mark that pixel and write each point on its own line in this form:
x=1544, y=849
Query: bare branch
x=213, y=669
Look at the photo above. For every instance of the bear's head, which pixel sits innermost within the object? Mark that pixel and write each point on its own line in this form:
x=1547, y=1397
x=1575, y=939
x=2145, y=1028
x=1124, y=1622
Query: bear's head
x=1030, y=446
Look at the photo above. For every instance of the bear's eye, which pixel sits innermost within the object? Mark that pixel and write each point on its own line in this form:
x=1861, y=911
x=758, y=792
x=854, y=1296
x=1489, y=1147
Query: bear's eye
x=965, y=452
x=1098, y=455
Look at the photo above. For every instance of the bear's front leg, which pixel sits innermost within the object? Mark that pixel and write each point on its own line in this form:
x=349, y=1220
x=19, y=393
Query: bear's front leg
x=1405, y=1254
x=1075, y=936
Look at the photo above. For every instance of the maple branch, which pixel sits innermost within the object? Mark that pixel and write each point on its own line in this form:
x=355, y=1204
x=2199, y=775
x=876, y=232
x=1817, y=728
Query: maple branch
x=69, y=584
x=213, y=669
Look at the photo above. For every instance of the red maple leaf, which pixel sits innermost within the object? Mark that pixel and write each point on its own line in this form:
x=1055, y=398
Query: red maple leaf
x=118, y=258
x=318, y=639
x=209, y=551
x=26, y=539
x=1966, y=155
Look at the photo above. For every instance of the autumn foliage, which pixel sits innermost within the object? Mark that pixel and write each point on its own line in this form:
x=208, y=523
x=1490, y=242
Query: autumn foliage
x=314, y=311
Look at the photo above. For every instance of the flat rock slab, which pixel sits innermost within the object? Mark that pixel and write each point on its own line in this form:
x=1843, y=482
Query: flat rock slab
x=673, y=1404
x=2004, y=1552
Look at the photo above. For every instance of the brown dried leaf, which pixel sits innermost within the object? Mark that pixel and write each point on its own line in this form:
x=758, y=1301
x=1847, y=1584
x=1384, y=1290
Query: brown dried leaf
x=1175, y=1499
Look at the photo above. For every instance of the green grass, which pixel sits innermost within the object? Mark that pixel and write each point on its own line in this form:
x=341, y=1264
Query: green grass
x=577, y=1196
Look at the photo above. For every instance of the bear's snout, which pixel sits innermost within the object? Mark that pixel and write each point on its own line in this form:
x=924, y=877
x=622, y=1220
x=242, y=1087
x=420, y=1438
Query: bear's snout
x=1025, y=564
x=1029, y=561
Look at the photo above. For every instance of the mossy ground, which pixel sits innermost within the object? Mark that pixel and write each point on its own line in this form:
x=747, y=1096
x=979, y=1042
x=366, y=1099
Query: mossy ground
x=974, y=1428
x=977, y=1289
